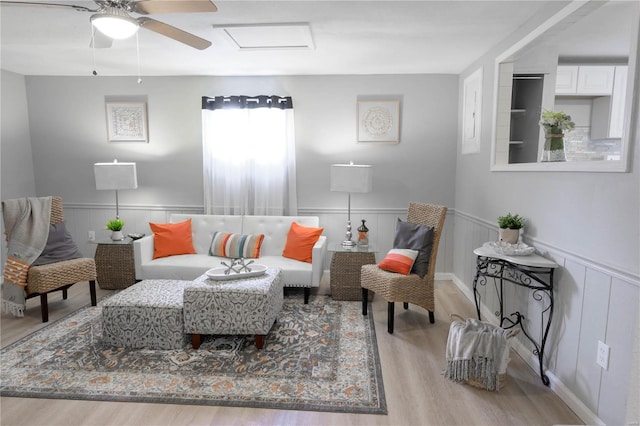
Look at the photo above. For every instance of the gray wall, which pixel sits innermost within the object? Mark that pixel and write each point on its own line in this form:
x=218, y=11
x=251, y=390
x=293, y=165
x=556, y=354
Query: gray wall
x=68, y=134
x=589, y=224
x=17, y=178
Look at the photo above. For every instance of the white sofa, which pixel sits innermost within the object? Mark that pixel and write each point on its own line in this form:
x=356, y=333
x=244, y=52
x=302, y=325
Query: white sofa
x=275, y=228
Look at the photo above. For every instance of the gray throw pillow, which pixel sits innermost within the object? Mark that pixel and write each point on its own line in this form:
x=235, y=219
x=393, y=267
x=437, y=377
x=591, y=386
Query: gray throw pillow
x=60, y=246
x=415, y=237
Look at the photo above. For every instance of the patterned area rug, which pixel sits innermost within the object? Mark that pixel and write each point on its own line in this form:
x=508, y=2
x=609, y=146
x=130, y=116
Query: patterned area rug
x=322, y=356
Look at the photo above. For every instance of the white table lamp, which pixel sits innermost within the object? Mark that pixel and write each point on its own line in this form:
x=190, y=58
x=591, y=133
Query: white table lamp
x=351, y=178
x=115, y=176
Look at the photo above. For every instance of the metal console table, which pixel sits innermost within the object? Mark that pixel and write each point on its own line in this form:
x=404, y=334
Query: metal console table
x=534, y=272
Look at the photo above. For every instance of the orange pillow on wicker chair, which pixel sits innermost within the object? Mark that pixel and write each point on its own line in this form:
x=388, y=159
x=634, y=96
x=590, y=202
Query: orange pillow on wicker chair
x=399, y=261
x=300, y=242
x=172, y=238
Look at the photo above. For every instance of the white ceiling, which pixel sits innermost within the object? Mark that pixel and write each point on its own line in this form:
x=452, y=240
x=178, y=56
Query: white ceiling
x=349, y=37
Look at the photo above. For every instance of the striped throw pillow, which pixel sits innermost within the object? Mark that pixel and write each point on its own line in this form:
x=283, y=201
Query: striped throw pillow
x=224, y=244
x=399, y=260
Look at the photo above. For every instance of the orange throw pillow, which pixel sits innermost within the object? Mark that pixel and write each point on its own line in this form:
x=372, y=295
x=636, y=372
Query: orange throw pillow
x=172, y=238
x=399, y=261
x=300, y=242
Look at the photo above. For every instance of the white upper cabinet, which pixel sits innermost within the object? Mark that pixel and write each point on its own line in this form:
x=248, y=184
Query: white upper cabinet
x=585, y=80
x=566, y=80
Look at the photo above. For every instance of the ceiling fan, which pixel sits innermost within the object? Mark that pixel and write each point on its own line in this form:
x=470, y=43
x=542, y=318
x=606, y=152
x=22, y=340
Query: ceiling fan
x=112, y=18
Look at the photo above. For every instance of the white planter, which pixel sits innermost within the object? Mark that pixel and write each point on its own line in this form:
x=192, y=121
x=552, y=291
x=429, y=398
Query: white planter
x=510, y=236
x=117, y=236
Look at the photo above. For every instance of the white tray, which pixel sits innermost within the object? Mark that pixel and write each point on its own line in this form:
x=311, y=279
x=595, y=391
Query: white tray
x=218, y=273
x=520, y=249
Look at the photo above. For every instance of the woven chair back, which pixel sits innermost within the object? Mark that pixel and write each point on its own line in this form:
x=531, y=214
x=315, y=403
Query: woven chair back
x=57, y=214
x=429, y=215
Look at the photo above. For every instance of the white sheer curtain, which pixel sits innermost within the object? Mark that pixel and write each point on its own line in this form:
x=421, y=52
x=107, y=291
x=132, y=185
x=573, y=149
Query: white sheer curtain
x=249, y=156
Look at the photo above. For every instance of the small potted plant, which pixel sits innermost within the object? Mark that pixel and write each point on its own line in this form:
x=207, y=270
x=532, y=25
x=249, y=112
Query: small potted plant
x=554, y=124
x=510, y=226
x=115, y=226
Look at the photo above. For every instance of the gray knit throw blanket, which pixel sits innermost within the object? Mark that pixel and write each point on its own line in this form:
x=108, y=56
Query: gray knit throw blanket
x=474, y=351
x=26, y=224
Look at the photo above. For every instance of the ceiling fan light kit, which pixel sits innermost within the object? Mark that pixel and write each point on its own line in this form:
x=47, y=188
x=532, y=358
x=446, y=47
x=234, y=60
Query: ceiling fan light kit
x=112, y=18
x=115, y=23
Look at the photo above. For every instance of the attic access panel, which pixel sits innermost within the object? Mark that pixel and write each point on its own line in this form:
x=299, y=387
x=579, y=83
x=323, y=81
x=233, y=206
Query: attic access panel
x=269, y=36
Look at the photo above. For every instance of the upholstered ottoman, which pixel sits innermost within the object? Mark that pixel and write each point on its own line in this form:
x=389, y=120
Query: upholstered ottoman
x=146, y=315
x=242, y=306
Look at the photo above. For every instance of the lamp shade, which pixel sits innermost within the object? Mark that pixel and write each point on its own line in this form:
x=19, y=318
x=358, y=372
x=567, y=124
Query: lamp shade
x=115, y=175
x=351, y=178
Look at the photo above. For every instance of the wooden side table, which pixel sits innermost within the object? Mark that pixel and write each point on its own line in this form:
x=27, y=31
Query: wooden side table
x=344, y=272
x=115, y=267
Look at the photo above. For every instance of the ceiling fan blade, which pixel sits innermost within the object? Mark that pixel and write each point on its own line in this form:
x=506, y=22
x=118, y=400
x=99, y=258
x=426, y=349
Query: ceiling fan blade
x=151, y=7
x=100, y=41
x=174, y=33
x=42, y=4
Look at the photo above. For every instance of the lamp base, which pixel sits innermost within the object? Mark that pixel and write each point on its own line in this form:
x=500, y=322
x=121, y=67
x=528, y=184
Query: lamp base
x=348, y=243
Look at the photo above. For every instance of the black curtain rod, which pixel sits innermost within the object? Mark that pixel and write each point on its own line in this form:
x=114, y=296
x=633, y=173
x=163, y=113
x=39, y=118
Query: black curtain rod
x=240, y=102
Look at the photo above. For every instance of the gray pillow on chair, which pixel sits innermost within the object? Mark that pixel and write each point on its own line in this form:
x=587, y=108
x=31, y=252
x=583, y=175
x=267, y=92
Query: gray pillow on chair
x=60, y=246
x=415, y=237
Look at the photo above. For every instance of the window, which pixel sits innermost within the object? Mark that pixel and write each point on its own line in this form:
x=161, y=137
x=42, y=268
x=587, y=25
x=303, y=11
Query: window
x=249, y=155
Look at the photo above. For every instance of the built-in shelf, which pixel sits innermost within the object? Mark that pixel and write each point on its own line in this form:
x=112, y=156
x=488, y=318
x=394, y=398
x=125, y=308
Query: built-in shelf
x=524, y=130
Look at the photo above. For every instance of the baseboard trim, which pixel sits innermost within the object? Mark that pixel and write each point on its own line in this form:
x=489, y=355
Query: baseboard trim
x=559, y=388
x=569, y=398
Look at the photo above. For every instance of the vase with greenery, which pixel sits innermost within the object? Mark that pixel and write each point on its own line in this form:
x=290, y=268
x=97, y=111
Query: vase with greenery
x=115, y=226
x=510, y=225
x=554, y=124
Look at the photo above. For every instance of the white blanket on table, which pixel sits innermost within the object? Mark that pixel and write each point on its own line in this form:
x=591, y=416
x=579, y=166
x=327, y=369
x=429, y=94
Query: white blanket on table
x=475, y=350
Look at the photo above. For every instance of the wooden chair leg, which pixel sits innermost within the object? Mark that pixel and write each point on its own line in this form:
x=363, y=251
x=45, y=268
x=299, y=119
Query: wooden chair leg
x=390, y=309
x=405, y=305
x=259, y=341
x=196, y=340
x=92, y=290
x=64, y=293
x=365, y=300
x=44, y=307
x=432, y=318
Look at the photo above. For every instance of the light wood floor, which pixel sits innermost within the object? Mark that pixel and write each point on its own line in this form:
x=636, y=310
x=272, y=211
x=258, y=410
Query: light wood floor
x=412, y=361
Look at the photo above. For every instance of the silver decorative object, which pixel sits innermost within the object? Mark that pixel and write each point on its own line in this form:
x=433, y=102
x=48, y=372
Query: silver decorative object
x=237, y=265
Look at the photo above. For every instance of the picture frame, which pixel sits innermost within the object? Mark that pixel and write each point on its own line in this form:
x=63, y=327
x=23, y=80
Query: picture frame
x=127, y=121
x=472, y=113
x=379, y=121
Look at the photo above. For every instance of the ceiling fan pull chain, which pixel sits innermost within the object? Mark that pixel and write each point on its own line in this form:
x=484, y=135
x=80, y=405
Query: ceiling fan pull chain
x=93, y=48
x=138, y=54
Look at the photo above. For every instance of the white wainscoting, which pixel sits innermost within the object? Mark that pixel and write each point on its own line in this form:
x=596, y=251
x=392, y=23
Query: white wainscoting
x=593, y=302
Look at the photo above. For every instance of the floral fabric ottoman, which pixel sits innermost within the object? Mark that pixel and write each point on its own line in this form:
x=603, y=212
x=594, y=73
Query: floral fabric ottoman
x=146, y=315
x=242, y=306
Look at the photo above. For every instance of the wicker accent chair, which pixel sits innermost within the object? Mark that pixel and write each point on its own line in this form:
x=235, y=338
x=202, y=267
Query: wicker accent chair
x=59, y=276
x=410, y=288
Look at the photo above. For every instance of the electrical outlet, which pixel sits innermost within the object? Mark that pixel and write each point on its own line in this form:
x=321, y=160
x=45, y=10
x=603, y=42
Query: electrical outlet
x=92, y=235
x=603, y=355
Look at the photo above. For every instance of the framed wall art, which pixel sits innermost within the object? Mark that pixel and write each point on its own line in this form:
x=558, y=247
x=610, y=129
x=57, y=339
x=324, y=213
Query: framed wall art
x=127, y=121
x=379, y=121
